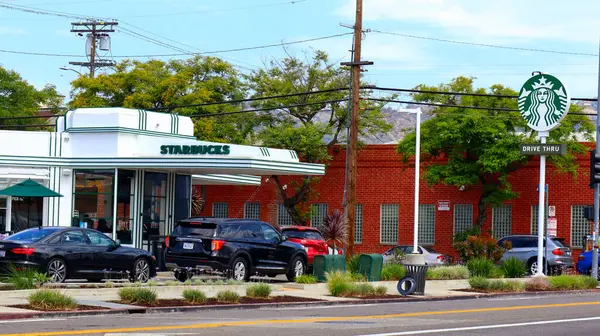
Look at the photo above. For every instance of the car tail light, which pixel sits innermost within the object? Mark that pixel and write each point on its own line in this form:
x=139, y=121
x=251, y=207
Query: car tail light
x=580, y=257
x=558, y=252
x=441, y=257
x=23, y=250
x=217, y=245
x=167, y=242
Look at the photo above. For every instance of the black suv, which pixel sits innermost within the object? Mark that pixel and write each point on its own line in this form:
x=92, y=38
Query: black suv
x=236, y=247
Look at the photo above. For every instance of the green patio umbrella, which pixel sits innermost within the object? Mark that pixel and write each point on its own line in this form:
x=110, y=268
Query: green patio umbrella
x=29, y=189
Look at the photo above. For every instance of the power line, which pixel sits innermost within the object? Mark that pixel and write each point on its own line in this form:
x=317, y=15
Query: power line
x=485, y=45
x=41, y=11
x=268, y=108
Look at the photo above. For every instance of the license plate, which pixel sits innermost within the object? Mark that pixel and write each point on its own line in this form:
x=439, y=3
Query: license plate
x=188, y=246
x=2, y=254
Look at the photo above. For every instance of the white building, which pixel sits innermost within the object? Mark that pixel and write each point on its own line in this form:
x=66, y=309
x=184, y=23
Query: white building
x=126, y=172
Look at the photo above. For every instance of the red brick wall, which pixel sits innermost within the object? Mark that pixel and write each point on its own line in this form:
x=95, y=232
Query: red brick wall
x=381, y=180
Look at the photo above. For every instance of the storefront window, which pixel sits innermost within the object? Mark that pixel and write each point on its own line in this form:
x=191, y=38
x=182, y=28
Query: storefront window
x=26, y=213
x=125, y=199
x=183, y=190
x=155, y=207
x=3, y=209
x=93, y=200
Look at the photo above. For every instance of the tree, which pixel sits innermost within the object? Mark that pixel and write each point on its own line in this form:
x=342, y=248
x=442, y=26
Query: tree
x=313, y=128
x=480, y=148
x=21, y=99
x=157, y=84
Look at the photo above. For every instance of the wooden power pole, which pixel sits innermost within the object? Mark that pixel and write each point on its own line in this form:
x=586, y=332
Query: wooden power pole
x=353, y=141
x=95, y=30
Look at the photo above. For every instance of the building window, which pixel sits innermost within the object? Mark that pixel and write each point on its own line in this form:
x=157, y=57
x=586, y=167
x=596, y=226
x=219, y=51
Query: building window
x=220, y=210
x=252, y=210
x=358, y=224
x=463, y=217
x=183, y=197
x=534, y=219
x=93, y=199
x=427, y=224
x=283, y=217
x=3, y=213
x=502, y=221
x=580, y=226
x=125, y=201
x=389, y=224
x=317, y=214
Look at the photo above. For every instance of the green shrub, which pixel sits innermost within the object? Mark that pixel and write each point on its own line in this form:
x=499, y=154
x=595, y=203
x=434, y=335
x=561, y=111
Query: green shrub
x=391, y=272
x=46, y=299
x=357, y=277
x=480, y=267
x=194, y=296
x=480, y=246
x=479, y=283
x=484, y=284
x=25, y=278
x=152, y=283
x=513, y=268
x=306, y=279
x=259, y=291
x=448, y=273
x=228, y=296
x=380, y=290
x=352, y=264
x=362, y=289
x=537, y=284
x=138, y=295
x=338, y=283
x=462, y=236
x=565, y=282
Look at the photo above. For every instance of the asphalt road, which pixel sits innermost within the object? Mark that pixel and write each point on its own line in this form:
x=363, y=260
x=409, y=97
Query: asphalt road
x=547, y=315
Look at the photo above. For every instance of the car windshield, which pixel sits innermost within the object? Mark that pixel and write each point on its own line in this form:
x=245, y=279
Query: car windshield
x=32, y=235
x=195, y=229
x=429, y=249
x=560, y=242
x=302, y=234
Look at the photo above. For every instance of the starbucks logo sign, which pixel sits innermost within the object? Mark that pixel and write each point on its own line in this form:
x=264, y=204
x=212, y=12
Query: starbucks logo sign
x=543, y=102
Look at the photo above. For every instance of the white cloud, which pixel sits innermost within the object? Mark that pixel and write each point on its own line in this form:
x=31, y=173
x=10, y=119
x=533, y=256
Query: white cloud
x=12, y=31
x=473, y=19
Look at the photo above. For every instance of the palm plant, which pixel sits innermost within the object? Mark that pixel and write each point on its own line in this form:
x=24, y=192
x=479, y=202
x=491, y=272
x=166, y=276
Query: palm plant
x=334, y=227
x=197, y=202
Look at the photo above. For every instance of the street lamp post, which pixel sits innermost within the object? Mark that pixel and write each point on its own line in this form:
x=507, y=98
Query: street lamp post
x=69, y=69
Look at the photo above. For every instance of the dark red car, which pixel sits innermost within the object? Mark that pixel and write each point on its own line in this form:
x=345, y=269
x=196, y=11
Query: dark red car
x=309, y=237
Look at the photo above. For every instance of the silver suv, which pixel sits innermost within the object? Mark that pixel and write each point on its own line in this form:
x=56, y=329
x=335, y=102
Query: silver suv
x=525, y=247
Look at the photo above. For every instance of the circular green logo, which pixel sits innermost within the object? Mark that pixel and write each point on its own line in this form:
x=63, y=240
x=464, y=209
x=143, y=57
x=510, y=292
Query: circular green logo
x=543, y=102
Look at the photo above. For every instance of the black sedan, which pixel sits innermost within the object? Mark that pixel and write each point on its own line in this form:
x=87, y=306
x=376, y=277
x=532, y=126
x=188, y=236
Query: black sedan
x=68, y=252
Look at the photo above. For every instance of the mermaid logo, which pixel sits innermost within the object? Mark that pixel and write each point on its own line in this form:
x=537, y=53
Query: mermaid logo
x=543, y=102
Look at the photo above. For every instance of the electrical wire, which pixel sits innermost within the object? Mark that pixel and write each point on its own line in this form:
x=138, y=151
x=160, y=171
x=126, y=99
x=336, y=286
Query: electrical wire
x=267, y=108
x=484, y=45
x=41, y=11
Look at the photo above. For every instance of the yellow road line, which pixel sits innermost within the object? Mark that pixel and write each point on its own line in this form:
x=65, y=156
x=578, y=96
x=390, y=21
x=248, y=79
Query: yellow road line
x=302, y=320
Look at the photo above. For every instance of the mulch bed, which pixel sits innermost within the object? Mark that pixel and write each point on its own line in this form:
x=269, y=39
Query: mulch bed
x=79, y=308
x=214, y=302
x=376, y=297
x=550, y=290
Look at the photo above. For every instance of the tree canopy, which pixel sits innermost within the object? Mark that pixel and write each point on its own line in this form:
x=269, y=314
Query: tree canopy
x=480, y=147
x=21, y=99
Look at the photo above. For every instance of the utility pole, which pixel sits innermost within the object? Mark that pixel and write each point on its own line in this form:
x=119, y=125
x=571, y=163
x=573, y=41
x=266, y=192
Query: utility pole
x=596, y=191
x=353, y=141
x=97, y=33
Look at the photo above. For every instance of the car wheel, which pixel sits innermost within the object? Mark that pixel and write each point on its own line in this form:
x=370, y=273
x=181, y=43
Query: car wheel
x=297, y=268
x=57, y=270
x=240, y=270
x=182, y=276
x=141, y=270
x=533, y=266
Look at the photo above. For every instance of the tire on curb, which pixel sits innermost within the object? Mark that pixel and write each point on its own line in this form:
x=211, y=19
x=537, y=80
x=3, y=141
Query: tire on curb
x=410, y=289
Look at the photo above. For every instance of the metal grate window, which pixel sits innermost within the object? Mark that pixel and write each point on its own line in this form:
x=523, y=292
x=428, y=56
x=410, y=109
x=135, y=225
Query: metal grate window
x=220, y=210
x=427, y=224
x=502, y=221
x=579, y=225
x=534, y=219
x=463, y=217
x=358, y=224
x=318, y=212
x=252, y=210
x=283, y=217
x=389, y=224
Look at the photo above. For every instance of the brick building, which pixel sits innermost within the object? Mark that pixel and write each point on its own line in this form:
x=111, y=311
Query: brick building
x=385, y=203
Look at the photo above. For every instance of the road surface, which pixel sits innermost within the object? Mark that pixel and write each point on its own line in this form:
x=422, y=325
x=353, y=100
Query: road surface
x=548, y=315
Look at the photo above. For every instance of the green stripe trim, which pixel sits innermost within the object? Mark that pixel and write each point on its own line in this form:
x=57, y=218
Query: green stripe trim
x=126, y=130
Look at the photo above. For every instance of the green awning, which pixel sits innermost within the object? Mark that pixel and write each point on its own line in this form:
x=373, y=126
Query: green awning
x=29, y=188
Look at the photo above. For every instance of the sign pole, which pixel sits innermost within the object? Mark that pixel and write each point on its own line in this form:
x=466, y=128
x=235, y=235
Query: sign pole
x=417, y=166
x=541, y=208
x=547, y=214
x=596, y=191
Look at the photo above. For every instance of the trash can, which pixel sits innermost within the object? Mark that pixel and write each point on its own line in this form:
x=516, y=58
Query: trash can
x=370, y=265
x=325, y=263
x=158, y=250
x=419, y=273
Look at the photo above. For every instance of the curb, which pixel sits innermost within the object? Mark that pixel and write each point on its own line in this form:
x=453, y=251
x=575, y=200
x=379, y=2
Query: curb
x=145, y=310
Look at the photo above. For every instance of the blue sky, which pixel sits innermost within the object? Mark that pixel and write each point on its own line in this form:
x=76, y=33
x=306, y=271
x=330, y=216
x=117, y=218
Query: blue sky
x=399, y=61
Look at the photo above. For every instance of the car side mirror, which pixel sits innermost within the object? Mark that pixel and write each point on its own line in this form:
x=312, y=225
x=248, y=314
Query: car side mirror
x=117, y=244
x=284, y=238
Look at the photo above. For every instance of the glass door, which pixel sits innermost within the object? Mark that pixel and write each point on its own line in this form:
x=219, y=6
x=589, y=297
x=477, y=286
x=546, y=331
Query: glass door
x=3, y=217
x=125, y=201
x=154, y=210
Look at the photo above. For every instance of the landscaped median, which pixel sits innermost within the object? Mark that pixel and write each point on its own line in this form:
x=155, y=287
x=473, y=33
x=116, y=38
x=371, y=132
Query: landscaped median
x=553, y=283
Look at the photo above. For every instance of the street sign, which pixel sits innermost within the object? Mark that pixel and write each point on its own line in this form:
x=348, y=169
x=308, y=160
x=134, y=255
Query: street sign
x=443, y=205
x=551, y=211
x=552, y=226
x=543, y=102
x=543, y=149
